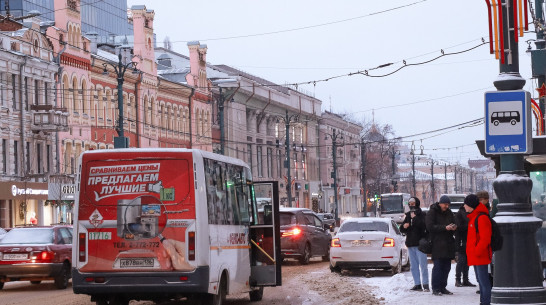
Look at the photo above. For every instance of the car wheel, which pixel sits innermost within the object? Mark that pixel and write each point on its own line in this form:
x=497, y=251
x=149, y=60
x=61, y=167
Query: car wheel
x=398, y=268
x=326, y=256
x=256, y=295
x=335, y=269
x=35, y=282
x=61, y=281
x=306, y=256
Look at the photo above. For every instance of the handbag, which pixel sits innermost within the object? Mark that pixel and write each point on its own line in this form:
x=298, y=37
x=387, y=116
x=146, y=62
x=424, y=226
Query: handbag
x=425, y=245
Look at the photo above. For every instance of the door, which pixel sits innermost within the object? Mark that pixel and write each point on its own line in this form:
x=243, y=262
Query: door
x=265, y=237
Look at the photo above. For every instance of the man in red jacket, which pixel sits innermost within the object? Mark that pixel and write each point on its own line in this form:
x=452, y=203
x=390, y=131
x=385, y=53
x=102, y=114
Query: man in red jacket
x=478, y=244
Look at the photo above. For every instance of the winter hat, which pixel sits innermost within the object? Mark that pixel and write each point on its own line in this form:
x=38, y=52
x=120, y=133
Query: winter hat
x=445, y=199
x=416, y=200
x=472, y=201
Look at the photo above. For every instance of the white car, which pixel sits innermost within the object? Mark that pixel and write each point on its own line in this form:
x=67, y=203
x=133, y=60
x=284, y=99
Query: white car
x=368, y=243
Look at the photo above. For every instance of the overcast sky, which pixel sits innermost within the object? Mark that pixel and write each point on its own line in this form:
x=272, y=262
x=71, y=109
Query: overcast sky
x=317, y=39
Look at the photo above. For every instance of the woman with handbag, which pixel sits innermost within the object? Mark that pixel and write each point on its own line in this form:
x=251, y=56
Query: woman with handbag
x=415, y=229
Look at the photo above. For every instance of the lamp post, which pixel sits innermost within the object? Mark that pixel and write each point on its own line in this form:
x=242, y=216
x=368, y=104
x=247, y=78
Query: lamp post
x=120, y=141
x=335, y=136
x=432, y=188
x=445, y=178
x=518, y=277
x=363, y=175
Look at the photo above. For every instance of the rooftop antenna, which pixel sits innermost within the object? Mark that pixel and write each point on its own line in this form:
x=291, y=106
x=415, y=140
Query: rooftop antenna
x=373, y=116
x=6, y=7
x=330, y=103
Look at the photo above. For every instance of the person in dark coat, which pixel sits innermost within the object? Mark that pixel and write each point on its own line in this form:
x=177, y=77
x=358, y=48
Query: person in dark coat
x=415, y=228
x=441, y=226
x=461, y=220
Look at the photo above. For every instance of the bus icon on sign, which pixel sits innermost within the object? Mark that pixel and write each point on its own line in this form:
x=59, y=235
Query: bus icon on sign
x=511, y=117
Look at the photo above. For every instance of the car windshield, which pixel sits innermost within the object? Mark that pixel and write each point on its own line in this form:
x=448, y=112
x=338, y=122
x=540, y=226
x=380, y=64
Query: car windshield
x=392, y=204
x=364, y=226
x=28, y=236
x=456, y=199
x=287, y=219
x=321, y=216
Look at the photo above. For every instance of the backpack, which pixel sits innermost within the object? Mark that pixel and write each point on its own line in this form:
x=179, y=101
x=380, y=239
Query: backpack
x=496, y=237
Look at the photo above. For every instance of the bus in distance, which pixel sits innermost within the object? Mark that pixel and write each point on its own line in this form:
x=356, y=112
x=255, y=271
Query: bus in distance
x=394, y=206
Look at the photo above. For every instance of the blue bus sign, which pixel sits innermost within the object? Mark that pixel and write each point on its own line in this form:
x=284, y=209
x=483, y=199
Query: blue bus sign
x=508, y=122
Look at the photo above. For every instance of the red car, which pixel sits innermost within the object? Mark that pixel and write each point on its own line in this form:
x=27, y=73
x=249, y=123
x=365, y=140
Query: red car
x=35, y=254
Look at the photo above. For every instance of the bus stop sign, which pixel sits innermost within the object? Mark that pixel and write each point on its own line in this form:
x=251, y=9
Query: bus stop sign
x=508, y=122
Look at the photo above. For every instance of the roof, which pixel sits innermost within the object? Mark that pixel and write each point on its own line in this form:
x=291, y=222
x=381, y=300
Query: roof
x=294, y=210
x=235, y=72
x=368, y=219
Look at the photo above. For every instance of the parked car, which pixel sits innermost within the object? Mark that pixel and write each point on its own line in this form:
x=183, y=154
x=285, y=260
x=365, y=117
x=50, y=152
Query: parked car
x=35, y=254
x=368, y=243
x=303, y=235
x=328, y=219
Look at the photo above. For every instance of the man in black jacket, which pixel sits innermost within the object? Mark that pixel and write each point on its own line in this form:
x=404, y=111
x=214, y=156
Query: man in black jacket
x=461, y=220
x=415, y=228
x=441, y=226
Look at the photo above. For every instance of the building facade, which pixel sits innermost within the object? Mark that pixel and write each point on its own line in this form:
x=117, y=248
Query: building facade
x=29, y=120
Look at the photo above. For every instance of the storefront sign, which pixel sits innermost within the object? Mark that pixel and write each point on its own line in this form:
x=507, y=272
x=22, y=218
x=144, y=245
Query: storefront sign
x=58, y=191
x=22, y=190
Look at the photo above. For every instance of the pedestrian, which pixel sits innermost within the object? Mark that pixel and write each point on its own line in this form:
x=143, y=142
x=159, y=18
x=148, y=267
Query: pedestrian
x=415, y=228
x=461, y=269
x=478, y=249
x=33, y=219
x=483, y=197
x=441, y=226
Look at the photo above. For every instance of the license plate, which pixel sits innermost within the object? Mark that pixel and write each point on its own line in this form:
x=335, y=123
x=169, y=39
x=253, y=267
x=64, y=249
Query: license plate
x=13, y=256
x=136, y=262
x=362, y=243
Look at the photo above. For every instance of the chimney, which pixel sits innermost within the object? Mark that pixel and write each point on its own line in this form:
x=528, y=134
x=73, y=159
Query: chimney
x=93, y=38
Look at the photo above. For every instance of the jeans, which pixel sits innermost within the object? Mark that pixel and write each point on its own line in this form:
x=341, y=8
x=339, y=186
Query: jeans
x=462, y=267
x=440, y=272
x=485, y=284
x=418, y=261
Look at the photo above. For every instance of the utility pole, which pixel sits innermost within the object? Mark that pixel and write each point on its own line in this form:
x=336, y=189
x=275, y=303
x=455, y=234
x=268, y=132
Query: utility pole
x=221, y=113
x=287, y=120
x=334, y=136
x=393, y=165
x=433, y=193
x=455, y=178
x=445, y=178
x=518, y=276
x=363, y=175
x=413, y=172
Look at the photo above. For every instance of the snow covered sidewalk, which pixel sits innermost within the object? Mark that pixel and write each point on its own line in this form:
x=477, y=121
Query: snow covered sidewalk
x=395, y=290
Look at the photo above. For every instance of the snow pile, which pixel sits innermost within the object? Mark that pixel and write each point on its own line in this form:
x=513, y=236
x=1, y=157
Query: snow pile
x=390, y=288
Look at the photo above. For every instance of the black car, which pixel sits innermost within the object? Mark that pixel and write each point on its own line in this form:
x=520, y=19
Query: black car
x=303, y=235
x=328, y=219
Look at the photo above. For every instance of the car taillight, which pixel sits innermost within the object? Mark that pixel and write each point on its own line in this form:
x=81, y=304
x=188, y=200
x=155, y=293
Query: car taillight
x=293, y=232
x=82, y=247
x=42, y=257
x=191, y=246
x=335, y=243
x=389, y=242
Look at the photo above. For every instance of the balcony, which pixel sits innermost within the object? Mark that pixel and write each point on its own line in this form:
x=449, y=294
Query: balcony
x=45, y=118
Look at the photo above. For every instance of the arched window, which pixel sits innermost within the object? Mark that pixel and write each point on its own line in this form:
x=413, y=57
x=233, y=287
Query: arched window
x=75, y=106
x=65, y=86
x=85, y=95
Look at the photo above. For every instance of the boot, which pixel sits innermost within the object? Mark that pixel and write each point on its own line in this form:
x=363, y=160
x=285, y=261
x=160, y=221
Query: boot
x=426, y=288
x=467, y=283
x=416, y=288
x=458, y=283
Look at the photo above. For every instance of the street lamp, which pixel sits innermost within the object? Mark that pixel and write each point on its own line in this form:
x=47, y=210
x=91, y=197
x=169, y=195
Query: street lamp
x=335, y=136
x=432, y=188
x=287, y=120
x=121, y=141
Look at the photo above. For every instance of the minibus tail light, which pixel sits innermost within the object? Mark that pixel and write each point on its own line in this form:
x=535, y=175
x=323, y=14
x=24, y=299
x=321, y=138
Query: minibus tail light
x=82, y=247
x=191, y=246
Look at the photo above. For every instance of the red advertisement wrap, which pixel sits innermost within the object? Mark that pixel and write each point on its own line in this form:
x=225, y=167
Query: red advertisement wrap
x=136, y=211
